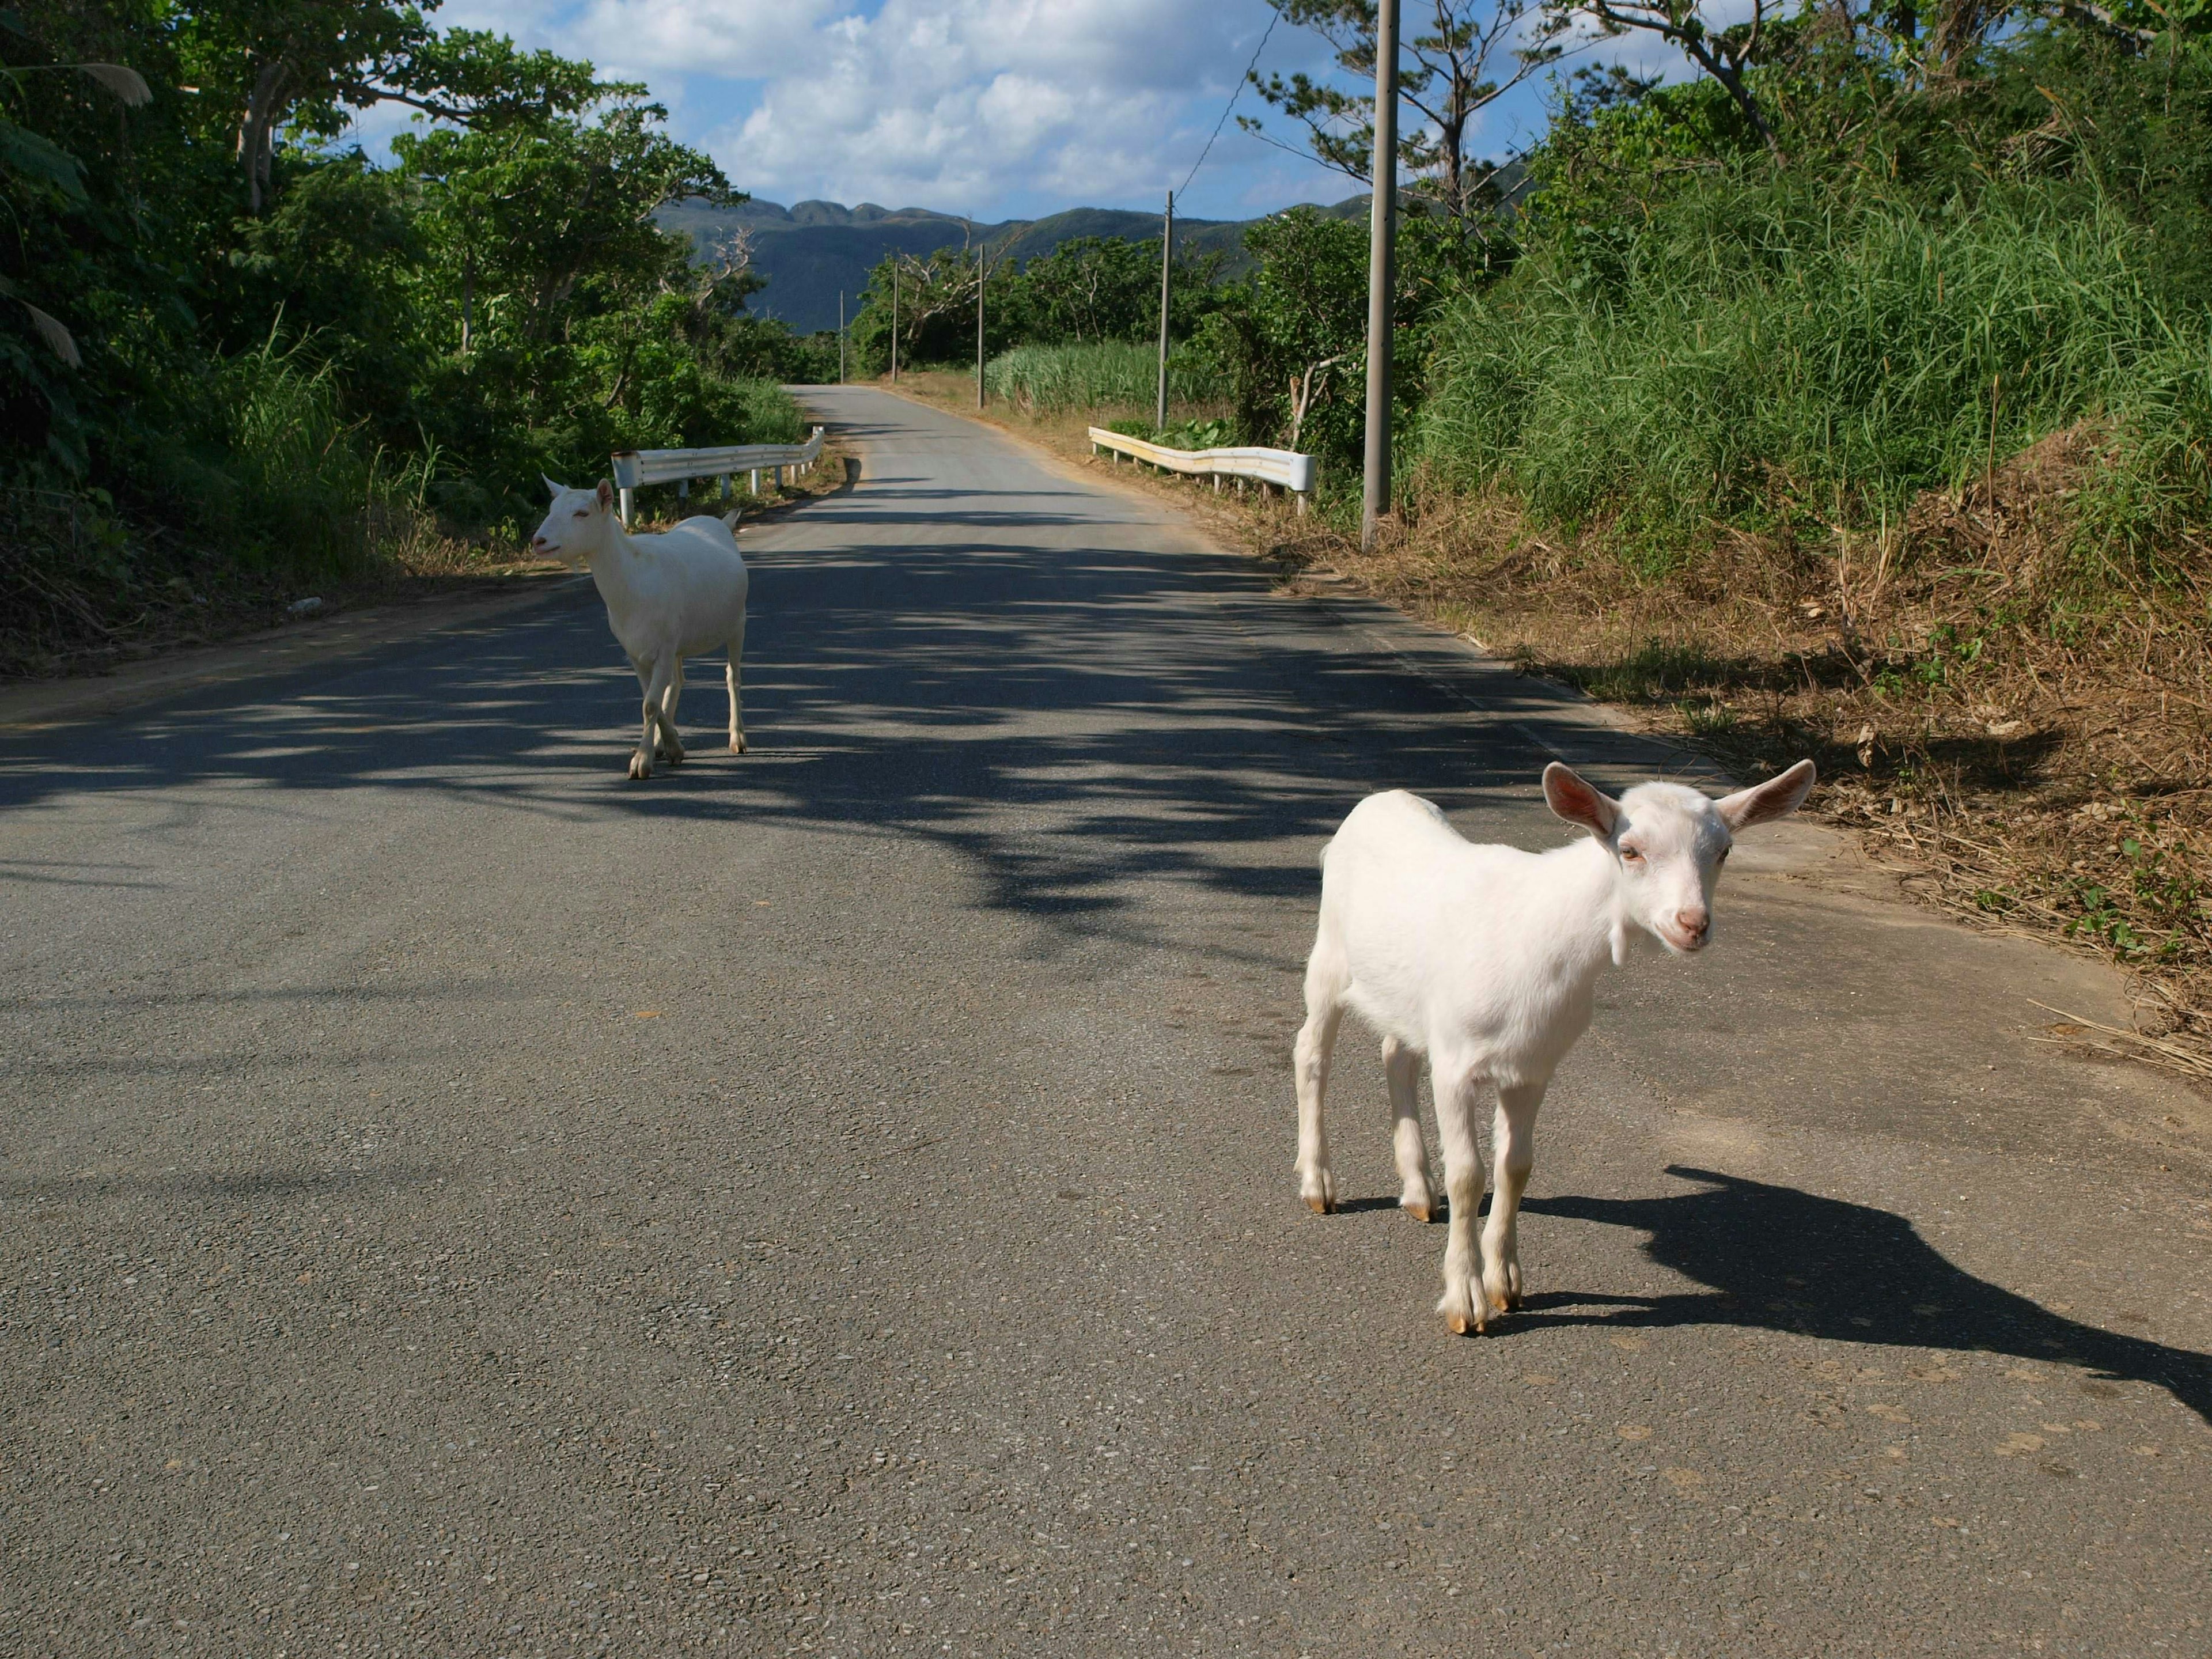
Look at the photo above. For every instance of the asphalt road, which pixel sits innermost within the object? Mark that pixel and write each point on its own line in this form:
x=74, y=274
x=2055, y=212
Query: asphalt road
x=838, y=1200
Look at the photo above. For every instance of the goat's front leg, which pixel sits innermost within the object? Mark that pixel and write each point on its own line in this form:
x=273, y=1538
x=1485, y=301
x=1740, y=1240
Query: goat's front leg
x=670, y=747
x=1465, y=1304
x=1514, y=1148
x=1402, y=1066
x=656, y=687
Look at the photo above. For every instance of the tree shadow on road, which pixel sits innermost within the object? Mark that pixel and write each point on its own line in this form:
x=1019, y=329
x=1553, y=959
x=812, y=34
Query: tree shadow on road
x=1078, y=715
x=1779, y=1258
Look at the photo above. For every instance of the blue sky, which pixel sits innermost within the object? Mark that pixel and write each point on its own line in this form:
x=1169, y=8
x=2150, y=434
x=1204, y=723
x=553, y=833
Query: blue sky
x=995, y=108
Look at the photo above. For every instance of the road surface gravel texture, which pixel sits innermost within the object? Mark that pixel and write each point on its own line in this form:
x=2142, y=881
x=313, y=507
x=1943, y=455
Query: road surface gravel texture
x=837, y=1201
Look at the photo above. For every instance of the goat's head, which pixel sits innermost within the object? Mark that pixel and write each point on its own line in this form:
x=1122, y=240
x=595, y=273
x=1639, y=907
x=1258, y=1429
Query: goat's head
x=577, y=525
x=1669, y=843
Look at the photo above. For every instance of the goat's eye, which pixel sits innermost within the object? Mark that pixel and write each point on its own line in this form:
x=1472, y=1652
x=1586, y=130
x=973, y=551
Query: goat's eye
x=583, y=512
x=1631, y=855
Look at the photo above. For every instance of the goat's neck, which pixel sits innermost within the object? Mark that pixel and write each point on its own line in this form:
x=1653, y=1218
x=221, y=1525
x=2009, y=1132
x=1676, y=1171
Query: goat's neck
x=615, y=563
x=1600, y=929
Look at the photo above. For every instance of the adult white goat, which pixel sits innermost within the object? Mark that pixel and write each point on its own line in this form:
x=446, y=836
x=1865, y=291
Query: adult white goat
x=669, y=595
x=1485, y=959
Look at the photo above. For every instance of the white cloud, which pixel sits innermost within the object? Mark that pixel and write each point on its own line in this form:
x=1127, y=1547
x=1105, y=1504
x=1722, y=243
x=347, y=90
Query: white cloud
x=738, y=40
x=980, y=106
x=986, y=107
x=965, y=103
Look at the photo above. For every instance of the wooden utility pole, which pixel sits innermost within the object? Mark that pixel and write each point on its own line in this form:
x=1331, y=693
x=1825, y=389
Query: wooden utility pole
x=895, y=276
x=1381, y=272
x=982, y=265
x=1167, y=253
x=841, y=337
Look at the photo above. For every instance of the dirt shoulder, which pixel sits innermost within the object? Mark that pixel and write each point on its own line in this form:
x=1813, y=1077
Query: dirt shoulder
x=1975, y=760
x=329, y=635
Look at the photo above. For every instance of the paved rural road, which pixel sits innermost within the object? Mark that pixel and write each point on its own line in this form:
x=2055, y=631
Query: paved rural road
x=454, y=1202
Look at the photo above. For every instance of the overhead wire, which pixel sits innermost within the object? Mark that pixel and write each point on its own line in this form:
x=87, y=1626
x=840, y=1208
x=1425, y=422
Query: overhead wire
x=1243, y=81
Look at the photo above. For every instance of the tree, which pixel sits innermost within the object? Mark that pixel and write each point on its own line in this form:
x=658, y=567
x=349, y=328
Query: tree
x=305, y=64
x=533, y=212
x=1465, y=55
x=1726, y=54
x=1091, y=288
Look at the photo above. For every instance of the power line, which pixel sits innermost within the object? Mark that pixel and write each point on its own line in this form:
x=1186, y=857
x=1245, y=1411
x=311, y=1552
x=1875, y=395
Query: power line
x=1234, y=93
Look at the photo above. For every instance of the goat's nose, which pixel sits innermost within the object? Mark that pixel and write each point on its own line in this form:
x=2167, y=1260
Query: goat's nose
x=1693, y=922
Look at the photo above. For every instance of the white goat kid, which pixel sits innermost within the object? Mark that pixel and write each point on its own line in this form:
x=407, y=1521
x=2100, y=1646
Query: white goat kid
x=1485, y=959
x=669, y=595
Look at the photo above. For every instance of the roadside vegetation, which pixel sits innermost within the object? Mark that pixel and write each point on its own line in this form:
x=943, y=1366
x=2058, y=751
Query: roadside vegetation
x=243, y=360
x=1853, y=398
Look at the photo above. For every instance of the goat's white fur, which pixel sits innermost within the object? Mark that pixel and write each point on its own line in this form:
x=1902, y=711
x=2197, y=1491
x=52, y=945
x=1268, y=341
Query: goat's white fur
x=668, y=596
x=1484, y=960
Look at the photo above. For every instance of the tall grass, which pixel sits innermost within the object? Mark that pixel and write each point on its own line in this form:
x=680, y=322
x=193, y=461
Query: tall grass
x=1111, y=375
x=293, y=486
x=1757, y=352
x=770, y=415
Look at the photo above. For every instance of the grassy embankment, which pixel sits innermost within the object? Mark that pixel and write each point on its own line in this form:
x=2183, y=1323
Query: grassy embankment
x=1919, y=496
x=288, y=502
x=1922, y=494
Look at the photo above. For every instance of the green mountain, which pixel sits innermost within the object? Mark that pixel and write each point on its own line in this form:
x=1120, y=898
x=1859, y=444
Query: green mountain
x=811, y=252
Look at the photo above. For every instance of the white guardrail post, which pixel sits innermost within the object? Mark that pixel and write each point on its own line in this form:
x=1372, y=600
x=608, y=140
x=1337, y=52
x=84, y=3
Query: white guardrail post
x=1283, y=468
x=636, y=468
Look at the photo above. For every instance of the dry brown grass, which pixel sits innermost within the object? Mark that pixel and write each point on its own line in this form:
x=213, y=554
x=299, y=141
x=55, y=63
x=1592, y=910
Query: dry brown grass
x=2020, y=747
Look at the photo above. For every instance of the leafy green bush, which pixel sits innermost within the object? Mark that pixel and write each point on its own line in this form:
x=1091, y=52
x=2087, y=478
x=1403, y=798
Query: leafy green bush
x=1763, y=350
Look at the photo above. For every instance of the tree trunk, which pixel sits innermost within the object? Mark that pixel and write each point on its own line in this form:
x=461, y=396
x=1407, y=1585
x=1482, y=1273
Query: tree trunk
x=256, y=132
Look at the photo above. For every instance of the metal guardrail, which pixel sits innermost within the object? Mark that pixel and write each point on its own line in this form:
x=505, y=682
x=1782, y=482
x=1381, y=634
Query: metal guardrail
x=1283, y=468
x=635, y=468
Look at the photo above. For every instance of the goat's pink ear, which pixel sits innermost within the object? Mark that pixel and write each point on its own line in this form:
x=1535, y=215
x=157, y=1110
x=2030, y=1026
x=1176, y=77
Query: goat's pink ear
x=1577, y=801
x=1763, y=803
x=606, y=493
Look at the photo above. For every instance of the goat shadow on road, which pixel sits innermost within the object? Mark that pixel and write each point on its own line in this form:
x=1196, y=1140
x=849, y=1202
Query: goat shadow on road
x=1779, y=1258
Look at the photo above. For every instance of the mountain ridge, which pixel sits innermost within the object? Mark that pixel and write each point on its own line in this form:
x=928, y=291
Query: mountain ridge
x=813, y=250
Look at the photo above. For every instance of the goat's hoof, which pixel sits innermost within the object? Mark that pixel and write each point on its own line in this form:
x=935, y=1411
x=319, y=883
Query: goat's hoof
x=640, y=765
x=738, y=746
x=1460, y=1324
x=1424, y=1212
x=671, y=757
x=1318, y=1188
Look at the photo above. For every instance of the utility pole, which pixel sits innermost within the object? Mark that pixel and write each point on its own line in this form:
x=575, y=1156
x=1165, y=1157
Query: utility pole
x=1381, y=272
x=982, y=265
x=1167, y=253
x=895, y=274
x=841, y=337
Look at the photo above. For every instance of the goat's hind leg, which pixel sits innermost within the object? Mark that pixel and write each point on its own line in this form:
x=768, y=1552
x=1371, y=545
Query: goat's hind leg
x=1464, y=1302
x=656, y=677
x=1514, y=1144
x=1401, y=1064
x=730, y=677
x=1316, y=1045
x=669, y=746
